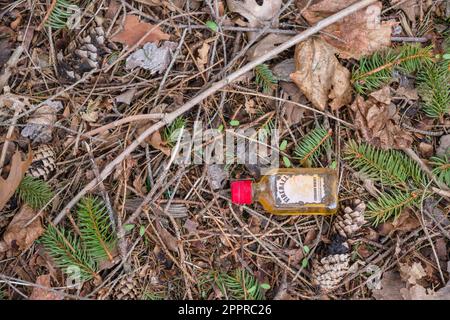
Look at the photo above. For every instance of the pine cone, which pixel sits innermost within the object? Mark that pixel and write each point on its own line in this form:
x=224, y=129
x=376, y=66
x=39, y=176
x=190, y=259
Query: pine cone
x=351, y=221
x=83, y=54
x=126, y=289
x=329, y=271
x=39, y=126
x=44, y=162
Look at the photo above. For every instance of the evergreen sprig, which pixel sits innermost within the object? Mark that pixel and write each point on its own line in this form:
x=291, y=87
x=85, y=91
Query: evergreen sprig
x=441, y=168
x=96, y=229
x=313, y=145
x=390, y=168
x=376, y=70
x=34, y=192
x=390, y=205
x=434, y=89
x=172, y=131
x=60, y=14
x=239, y=285
x=264, y=77
x=68, y=252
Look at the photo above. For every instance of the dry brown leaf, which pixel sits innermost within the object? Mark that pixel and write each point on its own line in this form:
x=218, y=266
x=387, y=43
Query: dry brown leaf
x=39, y=293
x=408, y=93
x=169, y=240
x=19, y=235
x=391, y=284
x=18, y=168
x=412, y=273
x=40, y=125
x=320, y=76
x=356, y=35
x=377, y=121
x=266, y=44
x=256, y=15
x=411, y=8
x=135, y=31
x=406, y=222
x=156, y=142
x=292, y=112
x=202, y=58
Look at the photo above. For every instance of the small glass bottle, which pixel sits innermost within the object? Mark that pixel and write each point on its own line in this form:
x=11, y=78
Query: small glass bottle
x=291, y=191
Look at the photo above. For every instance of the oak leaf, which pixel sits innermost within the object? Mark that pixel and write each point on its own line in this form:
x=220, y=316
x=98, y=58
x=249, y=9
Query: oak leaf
x=356, y=35
x=9, y=185
x=135, y=31
x=377, y=121
x=320, y=76
x=256, y=14
x=20, y=233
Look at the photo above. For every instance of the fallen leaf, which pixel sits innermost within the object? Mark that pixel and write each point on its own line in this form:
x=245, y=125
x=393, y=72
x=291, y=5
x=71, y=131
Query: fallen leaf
x=391, y=284
x=257, y=15
x=20, y=236
x=444, y=146
x=376, y=119
x=292, y=112
x=169, y=240
x=151, y=57
x=126, y=97
x=40, y=293
x=135, y=31
x=266, y=44
x=411, y=8
x=284, y=69
x=202, y=58
x=217, y=174
x=412, y=273
x=406, y=222
x=9, y=185
x=356, y=35
x=320, y=76
x=426, y=149
x=191, y=226
x=408, y=93
x=156, y=142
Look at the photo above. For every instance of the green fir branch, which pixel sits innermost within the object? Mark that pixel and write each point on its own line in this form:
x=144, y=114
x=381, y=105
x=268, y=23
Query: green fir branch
x=390, y=168
x=313, y=145
x=34, y=192
x=60, y=14
x=390, y=205
x=441, y=168
x=172, y=131
x=96, y=229
x=434, y=89
x=264, y=77
x=68, y=253
x=376, y=70
x=239, y=285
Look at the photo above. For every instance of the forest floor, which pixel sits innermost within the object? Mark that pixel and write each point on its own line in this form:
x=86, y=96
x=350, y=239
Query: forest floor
x=96, y=98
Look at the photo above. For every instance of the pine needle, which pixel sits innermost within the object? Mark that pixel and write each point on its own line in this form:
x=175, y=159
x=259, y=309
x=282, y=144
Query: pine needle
x=68, y=253
x=264, y=78
x=96, y=229
x=59, y=13
x=240, y=285
x=34, y=192
x=390, y=168
x=441, y=168
x=434, y=89
x=313, y=145
x=376, y=70
x=390, y=205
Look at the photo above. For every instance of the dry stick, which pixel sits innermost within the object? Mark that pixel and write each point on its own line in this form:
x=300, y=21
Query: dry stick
x=211, y=90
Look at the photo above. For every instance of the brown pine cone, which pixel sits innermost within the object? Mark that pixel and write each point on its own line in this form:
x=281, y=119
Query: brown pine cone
x=39, y=125
x=351, y=221
x=328, y=272
x=83, y=54
x=44, y=162
x=126, y=289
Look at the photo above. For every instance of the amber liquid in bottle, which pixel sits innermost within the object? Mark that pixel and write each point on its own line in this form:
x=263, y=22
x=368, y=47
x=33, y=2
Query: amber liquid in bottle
x=298, y=191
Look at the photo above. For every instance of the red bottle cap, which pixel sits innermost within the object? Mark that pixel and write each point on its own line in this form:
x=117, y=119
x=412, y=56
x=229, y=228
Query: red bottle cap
x=241, y=192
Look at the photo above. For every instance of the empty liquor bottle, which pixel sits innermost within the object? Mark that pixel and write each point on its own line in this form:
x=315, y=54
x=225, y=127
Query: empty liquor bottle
x=292, y=191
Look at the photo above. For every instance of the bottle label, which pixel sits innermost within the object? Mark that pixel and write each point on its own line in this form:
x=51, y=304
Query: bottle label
x=299, y=189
